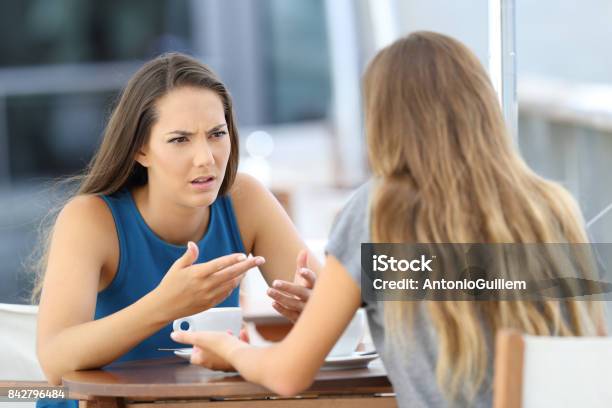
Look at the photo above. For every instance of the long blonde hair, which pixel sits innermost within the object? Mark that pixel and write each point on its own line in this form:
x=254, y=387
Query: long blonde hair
x=449, y=174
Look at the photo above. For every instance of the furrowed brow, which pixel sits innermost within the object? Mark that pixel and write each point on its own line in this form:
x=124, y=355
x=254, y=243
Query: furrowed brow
x=217, y=128
x=181, y=133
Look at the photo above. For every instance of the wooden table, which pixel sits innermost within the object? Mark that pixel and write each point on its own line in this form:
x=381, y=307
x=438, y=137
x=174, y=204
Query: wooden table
x=174, y=383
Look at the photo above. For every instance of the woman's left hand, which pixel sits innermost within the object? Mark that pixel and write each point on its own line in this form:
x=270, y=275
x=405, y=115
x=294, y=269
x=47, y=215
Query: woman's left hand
x=290, y=298
x=210, y=349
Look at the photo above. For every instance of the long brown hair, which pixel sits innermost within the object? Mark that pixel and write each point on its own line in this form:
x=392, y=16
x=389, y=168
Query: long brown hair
x=448, y=173
x=113, y=167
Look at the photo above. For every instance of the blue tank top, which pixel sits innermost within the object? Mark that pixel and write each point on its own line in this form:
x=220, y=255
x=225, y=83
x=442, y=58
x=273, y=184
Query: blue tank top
x=144, y=259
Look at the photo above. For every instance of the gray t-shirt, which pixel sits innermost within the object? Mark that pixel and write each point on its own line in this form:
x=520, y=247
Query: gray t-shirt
x=412, y=368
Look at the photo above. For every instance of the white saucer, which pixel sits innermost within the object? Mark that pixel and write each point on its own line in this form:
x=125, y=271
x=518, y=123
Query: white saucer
x=184, y=353
x=355, y=360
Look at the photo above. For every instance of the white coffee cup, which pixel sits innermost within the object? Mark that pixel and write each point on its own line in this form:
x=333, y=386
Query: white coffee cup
x=348, y=342
x=213, y=319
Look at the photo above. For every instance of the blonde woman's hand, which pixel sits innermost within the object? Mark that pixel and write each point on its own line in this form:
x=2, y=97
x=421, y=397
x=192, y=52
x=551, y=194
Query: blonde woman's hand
x=210, y=349
x=291, y=297
x=189, y=288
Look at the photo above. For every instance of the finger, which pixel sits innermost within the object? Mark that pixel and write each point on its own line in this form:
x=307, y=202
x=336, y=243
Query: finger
x=221, y=292
x=198, y=359
x=232, y=264
x=292, y=289
x=292, y=315
x=235, y=271
x=302, y=259
x=201, y=357
x=286, y=301
x=244, y=335
x=217, y=264
x=308, y=276
x=184, y=337
x=202, y=339
x=196, y=355
x=189, y=257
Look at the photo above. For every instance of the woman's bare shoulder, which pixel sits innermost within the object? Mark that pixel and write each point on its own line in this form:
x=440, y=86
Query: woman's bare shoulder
x=245, y=186
x=250, y=196
x=88, y=220
x=86, y=209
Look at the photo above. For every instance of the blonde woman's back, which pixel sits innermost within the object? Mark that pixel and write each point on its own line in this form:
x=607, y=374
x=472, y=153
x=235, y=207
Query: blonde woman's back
x=411, y=365
x=446, y=172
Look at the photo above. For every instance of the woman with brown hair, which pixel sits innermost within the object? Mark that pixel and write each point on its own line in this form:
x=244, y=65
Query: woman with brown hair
x=160, y=227
x=444, y=171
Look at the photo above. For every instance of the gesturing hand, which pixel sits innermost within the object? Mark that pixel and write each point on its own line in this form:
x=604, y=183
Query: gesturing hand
x=290, y=298
x=189, y=288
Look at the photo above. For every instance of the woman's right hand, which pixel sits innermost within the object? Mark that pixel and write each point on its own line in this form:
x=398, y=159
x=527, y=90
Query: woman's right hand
x=189, y=288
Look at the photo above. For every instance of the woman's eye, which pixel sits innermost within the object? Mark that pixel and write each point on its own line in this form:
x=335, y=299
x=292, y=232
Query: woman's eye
x=180, y=139
x=219, y=134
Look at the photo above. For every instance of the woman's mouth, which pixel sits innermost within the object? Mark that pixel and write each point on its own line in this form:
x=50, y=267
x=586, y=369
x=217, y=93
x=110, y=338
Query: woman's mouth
x=203, y=183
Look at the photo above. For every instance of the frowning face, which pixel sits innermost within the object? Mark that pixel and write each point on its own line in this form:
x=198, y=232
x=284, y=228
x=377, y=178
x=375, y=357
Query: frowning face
x=188, y=148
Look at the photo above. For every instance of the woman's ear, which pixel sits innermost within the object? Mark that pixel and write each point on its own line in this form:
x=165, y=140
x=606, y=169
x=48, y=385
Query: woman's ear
x=142, y=158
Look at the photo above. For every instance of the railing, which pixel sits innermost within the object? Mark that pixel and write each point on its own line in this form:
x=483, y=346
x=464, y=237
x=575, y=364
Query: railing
x=565, y=134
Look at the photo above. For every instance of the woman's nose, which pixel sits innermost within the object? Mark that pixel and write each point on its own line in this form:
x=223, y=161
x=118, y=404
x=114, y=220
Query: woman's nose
x=203, y=155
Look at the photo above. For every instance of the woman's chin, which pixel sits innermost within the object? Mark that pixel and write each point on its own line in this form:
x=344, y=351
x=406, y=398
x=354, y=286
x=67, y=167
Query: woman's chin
x=203, y=199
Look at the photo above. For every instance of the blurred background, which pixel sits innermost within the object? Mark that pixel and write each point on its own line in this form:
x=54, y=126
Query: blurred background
x=294, y=70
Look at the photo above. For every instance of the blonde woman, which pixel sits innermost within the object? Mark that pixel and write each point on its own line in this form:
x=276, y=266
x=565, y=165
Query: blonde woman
x=445, y=171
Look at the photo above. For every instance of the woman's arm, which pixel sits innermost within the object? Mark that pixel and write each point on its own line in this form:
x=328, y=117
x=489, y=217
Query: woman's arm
x=290, y=366
x=67, y=339
x=83, y=242
x=267, y=231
